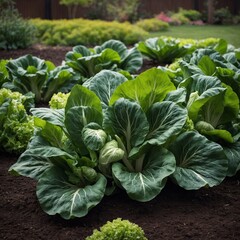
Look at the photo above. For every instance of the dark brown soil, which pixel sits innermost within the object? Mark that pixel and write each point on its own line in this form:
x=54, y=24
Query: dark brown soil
x=205, y=214
x=54, y=54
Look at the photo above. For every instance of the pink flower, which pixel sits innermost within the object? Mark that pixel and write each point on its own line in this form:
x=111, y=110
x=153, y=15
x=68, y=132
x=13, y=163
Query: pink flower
x=163, y=17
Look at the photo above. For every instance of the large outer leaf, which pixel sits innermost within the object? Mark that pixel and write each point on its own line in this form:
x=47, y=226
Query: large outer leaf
x=81, y=96
x=232, y=152
x=58, y=196
x=144, y=186
x=149, y=87
x=54, y=116
x=165, y=120
x=127, y=120
x=30, y=165
x=104, y=83
x=200, y=162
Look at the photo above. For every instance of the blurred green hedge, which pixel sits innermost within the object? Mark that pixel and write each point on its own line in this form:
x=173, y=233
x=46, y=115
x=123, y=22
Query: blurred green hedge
x=86, y=32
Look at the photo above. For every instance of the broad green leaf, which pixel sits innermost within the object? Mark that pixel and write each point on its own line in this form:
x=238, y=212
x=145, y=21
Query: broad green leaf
x=51, y=133
x=149, y=87
x=232, y=152
x=127, y=120
x=206, y=87
x=104, y=84
x=77, y=52
x=115, y=45
x=107, y=59
x=221, y=109
x=231, y=106
x=132, y=61
x=30, y=165
x=54, y=116
x=207, y=65
x=212, y=111
x=189, y=69
x=165, y=119
x=49, y=152
x=75, y=120
x=82, y=97
x=222, y=46
x=146, y=185
x=58, y=196
x=177, y=96
x=200, y=162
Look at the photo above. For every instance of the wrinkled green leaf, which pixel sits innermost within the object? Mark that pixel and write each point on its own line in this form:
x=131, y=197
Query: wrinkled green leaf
x=104, y=84
x=149, y=87
x=127, y=120
x=200, y=162
x=67, y=199
x=146, y=185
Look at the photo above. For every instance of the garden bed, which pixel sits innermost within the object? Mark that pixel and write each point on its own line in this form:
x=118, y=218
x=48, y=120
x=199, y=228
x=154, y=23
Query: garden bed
x=212, y=213
x=175, y=214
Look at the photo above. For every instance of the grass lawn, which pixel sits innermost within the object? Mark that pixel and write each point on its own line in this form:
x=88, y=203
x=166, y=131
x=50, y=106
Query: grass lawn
x=230, y=33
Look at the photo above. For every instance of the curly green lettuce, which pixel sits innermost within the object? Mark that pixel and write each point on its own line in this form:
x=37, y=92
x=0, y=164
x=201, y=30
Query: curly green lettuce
x=16, y=126
x=118, y=229
x=58, y=100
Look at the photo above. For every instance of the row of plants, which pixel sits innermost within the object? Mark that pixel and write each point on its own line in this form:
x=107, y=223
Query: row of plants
x=120, y=130
x=33, y=80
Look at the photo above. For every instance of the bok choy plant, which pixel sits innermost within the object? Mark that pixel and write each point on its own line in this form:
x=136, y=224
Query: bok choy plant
x=164, y=50
x=212, y=81
x=111, y=55
x=68, y=182
x=42, y=78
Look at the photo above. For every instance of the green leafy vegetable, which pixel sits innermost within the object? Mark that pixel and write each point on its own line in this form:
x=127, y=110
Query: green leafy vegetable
x=200, y=162
x=16, y=126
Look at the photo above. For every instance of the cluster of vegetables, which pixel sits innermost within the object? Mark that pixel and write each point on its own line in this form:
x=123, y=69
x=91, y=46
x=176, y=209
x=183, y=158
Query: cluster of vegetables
x=116, y=130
